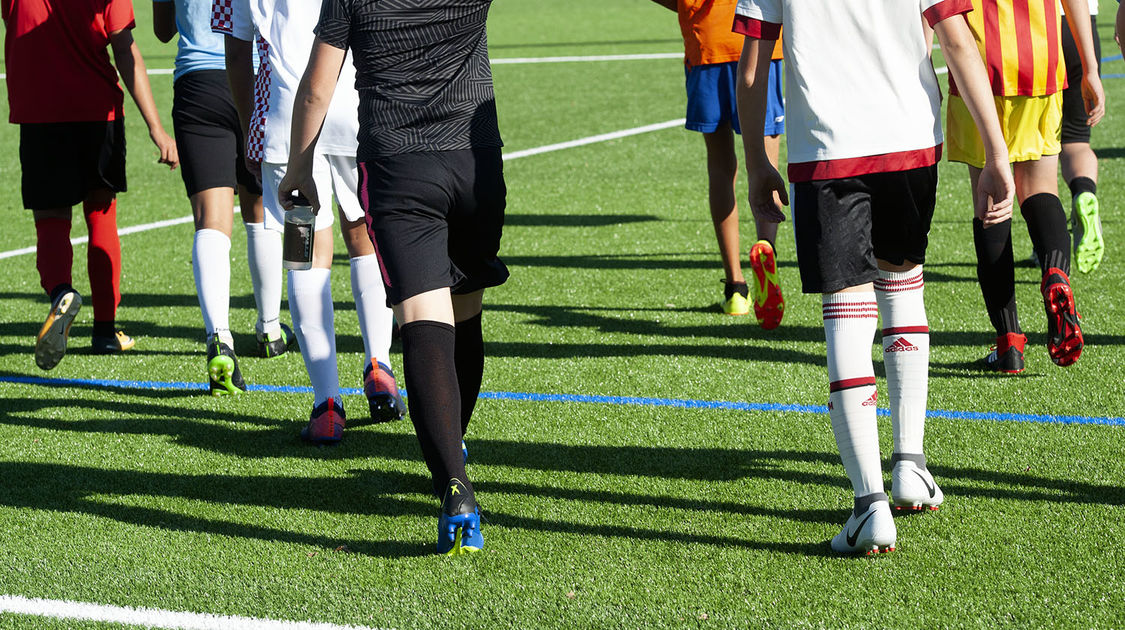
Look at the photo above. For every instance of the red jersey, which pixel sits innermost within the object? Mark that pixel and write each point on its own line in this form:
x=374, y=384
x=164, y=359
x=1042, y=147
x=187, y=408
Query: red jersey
x=57, y=59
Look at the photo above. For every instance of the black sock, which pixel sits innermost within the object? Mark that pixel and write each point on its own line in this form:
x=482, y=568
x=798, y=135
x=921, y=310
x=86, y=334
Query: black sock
x=468, y=357
x=59, y=290
x=104, y=329
x=996, y=272
x=434, y=398
x=1046, y=223
x=1079, y=185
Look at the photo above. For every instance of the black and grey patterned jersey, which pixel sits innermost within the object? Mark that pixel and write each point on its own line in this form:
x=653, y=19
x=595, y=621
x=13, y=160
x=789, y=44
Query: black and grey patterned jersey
x=422, y=73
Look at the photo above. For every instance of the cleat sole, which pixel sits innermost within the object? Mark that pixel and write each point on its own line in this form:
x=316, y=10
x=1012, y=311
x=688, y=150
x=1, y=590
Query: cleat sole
x=50, y=344
x=220, y=370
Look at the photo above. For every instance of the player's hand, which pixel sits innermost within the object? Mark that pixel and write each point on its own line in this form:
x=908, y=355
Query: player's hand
x=297, y=182
x=167, y=146
x=1094, y=96
x=764, y=183
x=995, y=190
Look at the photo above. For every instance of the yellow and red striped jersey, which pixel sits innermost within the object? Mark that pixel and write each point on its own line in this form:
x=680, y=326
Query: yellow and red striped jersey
x=1021, y=44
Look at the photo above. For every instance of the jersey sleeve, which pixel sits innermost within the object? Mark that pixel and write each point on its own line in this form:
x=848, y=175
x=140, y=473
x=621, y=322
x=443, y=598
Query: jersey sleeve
x=232, y=17
x=335, y=25
x=760, y=19
x=937, y=10
x=119, y=15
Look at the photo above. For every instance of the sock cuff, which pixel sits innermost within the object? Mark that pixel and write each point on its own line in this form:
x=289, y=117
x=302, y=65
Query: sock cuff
x=309, y=275
x=475, y=320
x=849, y=307
x=1082, y=184
x=864, y=502
x=918, y=459
x=899, y=281
x=366, y=259
x=1040, y=202
x=208, y=233
x=422, y=325
x=254, y=227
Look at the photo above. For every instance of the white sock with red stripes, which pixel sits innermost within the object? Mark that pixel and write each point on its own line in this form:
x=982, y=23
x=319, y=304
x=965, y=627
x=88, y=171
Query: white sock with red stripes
x=906, y=354
x=850, y=320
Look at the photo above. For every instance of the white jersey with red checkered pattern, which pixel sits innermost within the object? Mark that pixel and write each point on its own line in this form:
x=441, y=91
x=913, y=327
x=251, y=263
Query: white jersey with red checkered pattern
x=283, y=32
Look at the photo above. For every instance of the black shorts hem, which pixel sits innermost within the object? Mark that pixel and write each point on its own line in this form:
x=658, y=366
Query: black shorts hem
x=95, y=160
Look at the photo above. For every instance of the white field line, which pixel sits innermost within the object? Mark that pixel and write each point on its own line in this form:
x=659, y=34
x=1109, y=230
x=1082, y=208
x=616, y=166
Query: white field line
x=522, y=60
x=152, y=617
x=624, y=133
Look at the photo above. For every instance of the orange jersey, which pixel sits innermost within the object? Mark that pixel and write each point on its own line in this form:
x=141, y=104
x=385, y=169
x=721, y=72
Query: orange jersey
x=706, y=26
x=1021, y=44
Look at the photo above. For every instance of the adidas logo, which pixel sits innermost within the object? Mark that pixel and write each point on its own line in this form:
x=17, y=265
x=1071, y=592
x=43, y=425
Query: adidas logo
x=870, y=402
x=901, y=345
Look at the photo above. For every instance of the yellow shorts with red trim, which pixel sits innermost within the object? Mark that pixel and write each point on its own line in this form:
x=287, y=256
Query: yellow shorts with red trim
x=1032, y=126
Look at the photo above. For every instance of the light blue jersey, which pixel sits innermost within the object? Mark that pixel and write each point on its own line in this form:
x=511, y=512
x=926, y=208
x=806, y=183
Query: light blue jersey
x=199, y=47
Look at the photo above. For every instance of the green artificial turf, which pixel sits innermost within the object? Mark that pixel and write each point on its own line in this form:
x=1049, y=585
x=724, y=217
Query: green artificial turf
x=599, y=515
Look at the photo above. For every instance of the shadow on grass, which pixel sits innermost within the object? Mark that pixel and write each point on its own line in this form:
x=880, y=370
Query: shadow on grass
x=574, y=220
x=68, y=488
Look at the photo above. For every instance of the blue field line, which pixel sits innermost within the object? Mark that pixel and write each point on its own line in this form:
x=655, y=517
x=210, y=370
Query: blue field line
x=640, y=401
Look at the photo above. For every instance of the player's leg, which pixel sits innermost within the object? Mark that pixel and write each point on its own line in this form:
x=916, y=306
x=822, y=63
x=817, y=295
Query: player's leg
x=842, y=270
x=1079, y=163
x=375, y=318
x=208, y=146
x=263, y=258
x=769, y=303
x=722, y=170
x=311, y=306
x=711, y=111
x=902, y=214
x=996, y=275
x=1036, y=187
x=50, y=187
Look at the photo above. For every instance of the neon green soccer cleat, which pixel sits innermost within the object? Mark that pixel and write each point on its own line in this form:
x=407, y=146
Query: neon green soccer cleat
x=1088, y=244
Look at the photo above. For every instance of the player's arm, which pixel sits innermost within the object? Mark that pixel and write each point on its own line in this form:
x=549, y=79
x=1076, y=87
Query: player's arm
x=667, y=4
x=1092, y=92
x=995, y=187
x=310, y=106
x=164, y=20
x=131, y=66
x=751, y=92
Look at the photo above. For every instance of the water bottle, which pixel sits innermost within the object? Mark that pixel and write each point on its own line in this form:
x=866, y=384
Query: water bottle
x=297, y=243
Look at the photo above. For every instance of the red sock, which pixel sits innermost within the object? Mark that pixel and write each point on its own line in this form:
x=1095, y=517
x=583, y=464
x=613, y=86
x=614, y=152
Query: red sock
x=53, y=253
x=103, y=256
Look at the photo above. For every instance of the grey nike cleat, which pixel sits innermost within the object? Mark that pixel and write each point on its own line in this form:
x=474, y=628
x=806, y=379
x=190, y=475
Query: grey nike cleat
x=912, y=485
x=870, y=528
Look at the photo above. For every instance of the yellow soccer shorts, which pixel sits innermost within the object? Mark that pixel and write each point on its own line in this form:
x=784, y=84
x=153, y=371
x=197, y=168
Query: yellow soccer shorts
x=1031, y=124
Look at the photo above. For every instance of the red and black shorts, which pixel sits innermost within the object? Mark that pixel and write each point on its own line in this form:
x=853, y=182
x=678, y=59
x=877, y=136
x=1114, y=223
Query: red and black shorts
x=209, y=134
x=436, y=219
x=843, y=225
x=64, y=162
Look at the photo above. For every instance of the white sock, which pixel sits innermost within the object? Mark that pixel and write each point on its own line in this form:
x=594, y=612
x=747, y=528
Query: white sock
x=210, y=264
x=906, y=354
x=375, y=317
x=310, y=304
x=263, y=254
x=850, y=320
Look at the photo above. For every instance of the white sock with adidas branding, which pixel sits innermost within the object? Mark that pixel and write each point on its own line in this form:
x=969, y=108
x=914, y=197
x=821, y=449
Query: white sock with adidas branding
x=906, y=354
x=850, y=320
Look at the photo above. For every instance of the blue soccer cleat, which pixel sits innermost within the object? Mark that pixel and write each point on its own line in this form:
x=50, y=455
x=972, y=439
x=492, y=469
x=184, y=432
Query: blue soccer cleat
x=459, y=522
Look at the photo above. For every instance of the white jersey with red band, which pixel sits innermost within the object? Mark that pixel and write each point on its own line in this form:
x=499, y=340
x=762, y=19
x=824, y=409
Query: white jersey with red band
x=861, y=94
x=283, y=30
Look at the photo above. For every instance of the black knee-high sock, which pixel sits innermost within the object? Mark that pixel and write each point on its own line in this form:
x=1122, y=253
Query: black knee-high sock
x=469, y=358
x=434, y=398
x=1081, y=184
x=996, y=272
x=1046, y=223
